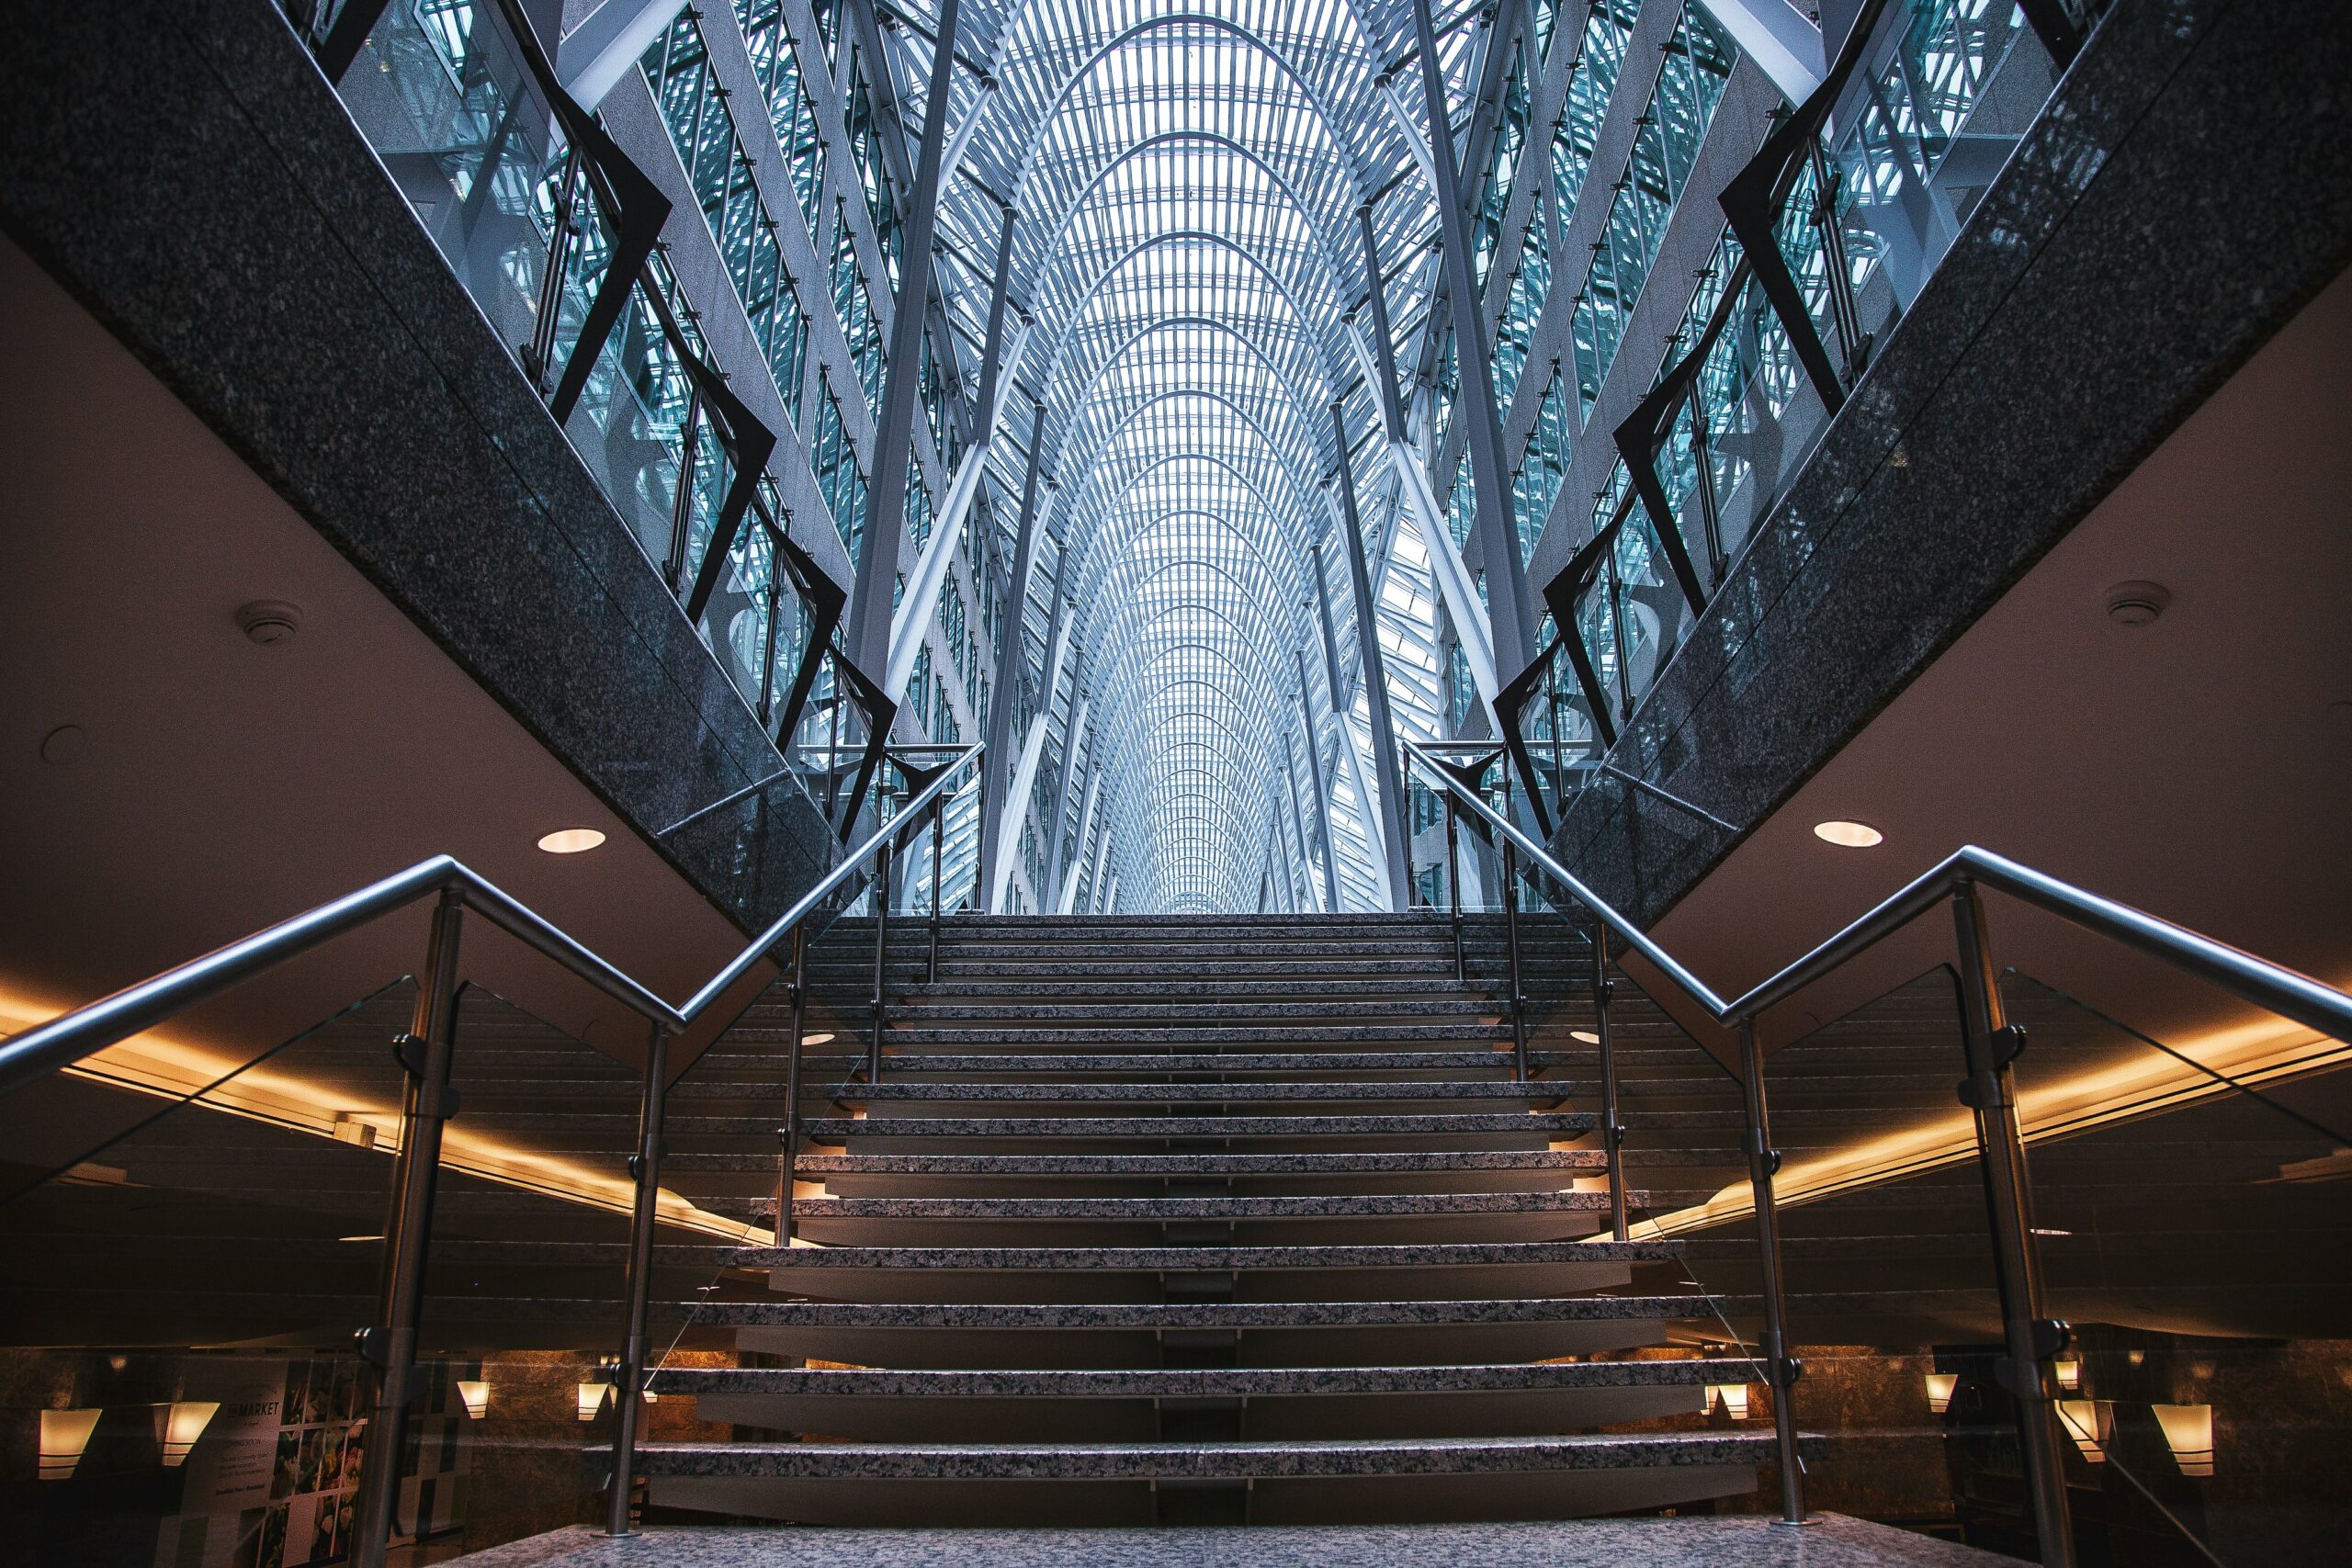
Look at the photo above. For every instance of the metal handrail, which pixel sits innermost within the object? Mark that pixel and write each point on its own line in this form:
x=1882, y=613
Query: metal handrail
x=2286, y=992
x=2032, y=1338
x=427, y=1051
x=65, y=1040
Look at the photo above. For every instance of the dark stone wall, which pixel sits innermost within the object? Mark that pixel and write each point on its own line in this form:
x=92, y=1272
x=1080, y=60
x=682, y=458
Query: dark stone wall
x=2185, y=191
x=183, y=168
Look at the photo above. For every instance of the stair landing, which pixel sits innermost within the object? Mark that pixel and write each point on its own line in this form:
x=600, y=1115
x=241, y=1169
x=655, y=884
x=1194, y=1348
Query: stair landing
x=1833, y=1540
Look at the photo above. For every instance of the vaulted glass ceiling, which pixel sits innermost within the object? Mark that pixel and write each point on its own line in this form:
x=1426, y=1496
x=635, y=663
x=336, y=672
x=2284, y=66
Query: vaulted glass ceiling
x=1187, y=175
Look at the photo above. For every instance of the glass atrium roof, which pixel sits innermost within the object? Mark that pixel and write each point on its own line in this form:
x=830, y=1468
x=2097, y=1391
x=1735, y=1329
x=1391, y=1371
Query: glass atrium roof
x=1187, y=175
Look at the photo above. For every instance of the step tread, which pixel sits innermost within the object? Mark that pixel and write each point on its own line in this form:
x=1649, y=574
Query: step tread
x=1188, y=1382
x=1177, y=1259
x=1223, y=1164
x=834, y=1129
x=1190, y=1314
x=1259, y=1206
x=1211, y=1092
x=1324, y=1457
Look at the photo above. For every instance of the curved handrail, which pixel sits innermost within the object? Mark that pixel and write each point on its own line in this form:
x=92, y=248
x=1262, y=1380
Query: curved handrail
x=67, y=1039
x=2274, y=987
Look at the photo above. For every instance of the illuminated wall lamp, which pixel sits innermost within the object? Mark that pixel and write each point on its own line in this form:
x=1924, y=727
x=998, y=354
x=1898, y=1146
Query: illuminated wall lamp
x=1733, y=1394
x=591, y=1399
x=64, y=1434
x=476, y=1394
x=179, y=1426
x=2070, y=1372
x=1941, y=1388
x=2080, y=1418
x=2188, y=1432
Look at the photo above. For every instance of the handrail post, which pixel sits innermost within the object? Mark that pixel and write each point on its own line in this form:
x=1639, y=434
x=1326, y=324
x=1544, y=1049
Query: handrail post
x=1510, y=933
x=1612, y=1131
x=883, y=857
x=1454, y=889
x=391, y=1343
x=628, y=1384
x=2031, y=1336
x=790, y=1163
x=1782, y=1370
x=938, y=838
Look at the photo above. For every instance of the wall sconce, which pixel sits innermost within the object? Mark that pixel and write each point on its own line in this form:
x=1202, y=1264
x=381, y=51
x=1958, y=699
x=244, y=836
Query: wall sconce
x=476, y=1394
x=64, y=1434
x=1733, y=1394
x=2080, y=1418
x=1941, y=1388
x=2188, y=1432
x=591, y=1399
x=178, y=1425
x=651, y=1398
x=2070, y=1372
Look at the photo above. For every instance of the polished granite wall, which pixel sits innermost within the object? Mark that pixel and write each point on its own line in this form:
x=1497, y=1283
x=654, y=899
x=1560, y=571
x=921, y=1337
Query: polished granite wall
x=2185, y=190
x=182, y=168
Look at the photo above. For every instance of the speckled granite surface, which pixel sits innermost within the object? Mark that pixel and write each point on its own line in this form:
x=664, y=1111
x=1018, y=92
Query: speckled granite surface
x=1704, y=1542
x=834, y=1129
x=1326, y=1206
x=1107, y=1462
x=2031, y=375
x=1171, y=1383
x=716, y=1076
x=1199, y=1165
x=1187, y=1314
x=1271, y=1034
x=1427, y=1255
x=1207, y=1093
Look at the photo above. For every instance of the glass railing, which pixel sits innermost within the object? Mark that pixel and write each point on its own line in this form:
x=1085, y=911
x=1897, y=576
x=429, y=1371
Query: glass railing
x=192, y=1241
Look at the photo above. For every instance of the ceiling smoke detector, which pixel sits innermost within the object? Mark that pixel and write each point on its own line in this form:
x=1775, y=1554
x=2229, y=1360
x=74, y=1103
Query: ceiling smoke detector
x=269, y=622
x=2136, y=604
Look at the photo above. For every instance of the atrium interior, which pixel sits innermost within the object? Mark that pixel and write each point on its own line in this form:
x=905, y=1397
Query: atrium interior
x=1176, y=782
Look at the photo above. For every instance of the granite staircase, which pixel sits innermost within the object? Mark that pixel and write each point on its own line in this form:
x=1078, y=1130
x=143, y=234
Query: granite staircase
x=1186, y=1221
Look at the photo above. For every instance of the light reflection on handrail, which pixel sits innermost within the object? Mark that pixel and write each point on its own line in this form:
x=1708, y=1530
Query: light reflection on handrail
x=67, y=1039
x=2270, y=985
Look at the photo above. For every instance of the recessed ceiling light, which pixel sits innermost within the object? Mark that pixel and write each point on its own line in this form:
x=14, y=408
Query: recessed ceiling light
x=1848, y=835
x=572, y=841
x=359, y=1238
x=1587, y=1035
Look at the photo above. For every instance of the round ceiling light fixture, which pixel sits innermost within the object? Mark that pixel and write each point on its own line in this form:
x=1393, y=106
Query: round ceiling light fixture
x=1848, y=835
x=572, y=841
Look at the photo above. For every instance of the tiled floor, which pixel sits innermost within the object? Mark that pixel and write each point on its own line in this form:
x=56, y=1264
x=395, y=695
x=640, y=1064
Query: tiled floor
x=1833, y=1542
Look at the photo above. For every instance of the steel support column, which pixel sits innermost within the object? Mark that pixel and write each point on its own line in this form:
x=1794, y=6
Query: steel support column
x=1782, y=1370
x=1389, y=776
x=868, y=633
x=996, y=762
x=2028, y=1334
x=391, y=1343
x=1512, y=629
x=1323, y=797
x=629, y=1383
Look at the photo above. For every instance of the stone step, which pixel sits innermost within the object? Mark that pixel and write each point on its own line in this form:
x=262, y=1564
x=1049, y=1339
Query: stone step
x=1212, y=1259
x=896, y=1064
x=1165, y=1316
x=1322, y=1206
x=813, y=1166
x=1164, y=1007
x=1198, y=1461
x=1183, y=1382
x=839, y=1129
x=1275, y=1031
x=1203, y=1093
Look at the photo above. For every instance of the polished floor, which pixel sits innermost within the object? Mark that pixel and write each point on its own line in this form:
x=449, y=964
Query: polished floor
x=1833, y=1542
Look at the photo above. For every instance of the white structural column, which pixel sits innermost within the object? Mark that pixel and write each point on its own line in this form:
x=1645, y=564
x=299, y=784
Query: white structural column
x=1011, y=654
x=1322, y=796
x=1058, y=801
x=1781, y=38
x=1374, y=673
x=867, y=634
x=1344, y=743
x=1510, y=628
x=1078, y=859
x=1013, y=809
x=911, y=620
x=596, y=55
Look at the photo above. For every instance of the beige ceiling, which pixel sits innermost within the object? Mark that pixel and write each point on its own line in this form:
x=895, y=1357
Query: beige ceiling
x=222, y=785
x=2199, y=767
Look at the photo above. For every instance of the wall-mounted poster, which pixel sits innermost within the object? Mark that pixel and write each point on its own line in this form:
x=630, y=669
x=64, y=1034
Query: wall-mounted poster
x=273, y=1482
